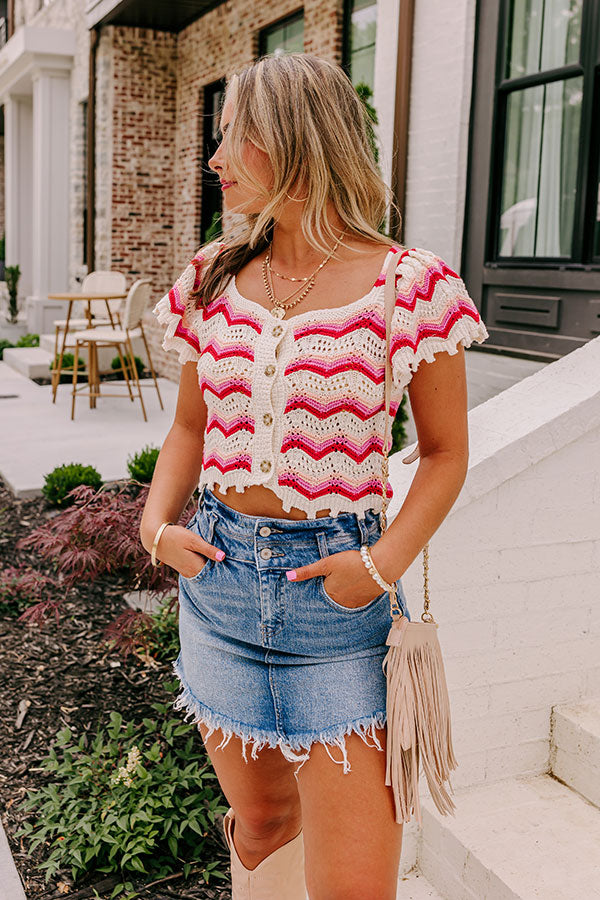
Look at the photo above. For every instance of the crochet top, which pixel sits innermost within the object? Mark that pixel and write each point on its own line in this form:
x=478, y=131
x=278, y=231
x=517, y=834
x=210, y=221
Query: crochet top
x=297, y=405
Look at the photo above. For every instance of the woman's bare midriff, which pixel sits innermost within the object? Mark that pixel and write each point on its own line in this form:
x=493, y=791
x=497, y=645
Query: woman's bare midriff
x=257, y=500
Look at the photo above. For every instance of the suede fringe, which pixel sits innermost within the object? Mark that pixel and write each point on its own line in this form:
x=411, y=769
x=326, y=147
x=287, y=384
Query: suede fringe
x=418, y=718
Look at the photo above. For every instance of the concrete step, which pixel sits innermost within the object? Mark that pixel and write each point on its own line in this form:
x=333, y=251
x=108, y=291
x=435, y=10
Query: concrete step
x=529, y=838
x=105, y=354
x=575, y=747
x=33, y=362
x=414, y=886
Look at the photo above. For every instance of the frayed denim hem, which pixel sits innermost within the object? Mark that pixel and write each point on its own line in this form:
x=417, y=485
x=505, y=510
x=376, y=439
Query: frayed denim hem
x=259, y=738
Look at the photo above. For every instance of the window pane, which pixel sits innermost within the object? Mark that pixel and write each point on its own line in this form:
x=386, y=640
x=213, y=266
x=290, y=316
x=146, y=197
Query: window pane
x=543, y=34
x=286, y=38
x=540, y=170
x=361, y=41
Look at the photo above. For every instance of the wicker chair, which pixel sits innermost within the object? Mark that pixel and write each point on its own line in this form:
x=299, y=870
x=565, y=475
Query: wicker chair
x=121, y=338
x=93, y=283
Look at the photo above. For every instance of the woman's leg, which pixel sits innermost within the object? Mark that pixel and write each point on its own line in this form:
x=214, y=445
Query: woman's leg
x=263, y=794
x=352, y=842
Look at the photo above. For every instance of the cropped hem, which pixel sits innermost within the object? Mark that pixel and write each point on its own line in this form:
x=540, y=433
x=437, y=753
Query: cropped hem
x=290, y=498
x=260, y=738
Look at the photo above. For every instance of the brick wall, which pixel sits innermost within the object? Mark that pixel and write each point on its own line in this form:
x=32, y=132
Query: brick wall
x=207, y=50
x=143, y=153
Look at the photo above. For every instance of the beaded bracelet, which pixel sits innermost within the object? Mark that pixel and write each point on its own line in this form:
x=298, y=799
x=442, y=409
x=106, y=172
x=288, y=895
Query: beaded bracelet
x=155, y=544
x=370, y=566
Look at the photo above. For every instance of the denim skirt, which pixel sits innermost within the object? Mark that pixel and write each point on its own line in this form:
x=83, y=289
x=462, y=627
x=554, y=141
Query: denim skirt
x=279, y=663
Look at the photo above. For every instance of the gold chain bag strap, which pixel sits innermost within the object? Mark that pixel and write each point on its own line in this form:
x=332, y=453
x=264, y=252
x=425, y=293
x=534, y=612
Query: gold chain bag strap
x=418, y=706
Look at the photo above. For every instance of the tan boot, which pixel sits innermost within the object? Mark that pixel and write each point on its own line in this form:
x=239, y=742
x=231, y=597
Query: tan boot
x=280, y=876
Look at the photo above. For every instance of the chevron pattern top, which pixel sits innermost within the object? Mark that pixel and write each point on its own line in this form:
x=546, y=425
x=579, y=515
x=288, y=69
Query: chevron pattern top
x=297, y=405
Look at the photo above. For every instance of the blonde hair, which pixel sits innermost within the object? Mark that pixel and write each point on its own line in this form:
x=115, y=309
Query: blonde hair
x=305, y=114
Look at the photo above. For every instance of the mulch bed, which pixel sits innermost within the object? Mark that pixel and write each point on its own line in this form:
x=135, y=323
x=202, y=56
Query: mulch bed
x=68, y=678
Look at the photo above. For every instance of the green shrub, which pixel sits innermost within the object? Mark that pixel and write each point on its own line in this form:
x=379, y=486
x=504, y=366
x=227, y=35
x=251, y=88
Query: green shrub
x=141, y=798
x=63, y=479
x=141, y=465
x=68, y=361
x=116, y=364
x=4, y=345
x=29, y=340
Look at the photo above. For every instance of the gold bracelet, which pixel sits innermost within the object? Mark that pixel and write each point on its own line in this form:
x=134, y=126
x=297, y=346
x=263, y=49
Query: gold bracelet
x=155, y=544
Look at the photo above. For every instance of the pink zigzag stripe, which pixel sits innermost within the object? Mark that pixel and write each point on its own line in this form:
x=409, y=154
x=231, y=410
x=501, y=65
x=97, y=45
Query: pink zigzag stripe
x=230, y=386
x=331, y=486
x=224, y=306
x=220, y=351
x=324, y=410
x=239, y=423
x=431, y=329
x=332, y=445
x=242, y=461
x=345, y=364
x=178, y=308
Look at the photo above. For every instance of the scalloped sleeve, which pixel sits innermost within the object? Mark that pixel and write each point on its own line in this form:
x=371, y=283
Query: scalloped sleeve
x=177, y=311
x=433, y=313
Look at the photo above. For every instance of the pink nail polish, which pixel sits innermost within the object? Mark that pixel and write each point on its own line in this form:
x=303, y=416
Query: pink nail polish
x=291, y=575
x=220, y=555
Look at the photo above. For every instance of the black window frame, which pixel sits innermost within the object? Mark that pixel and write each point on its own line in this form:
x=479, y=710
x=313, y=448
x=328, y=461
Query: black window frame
x=589, y=143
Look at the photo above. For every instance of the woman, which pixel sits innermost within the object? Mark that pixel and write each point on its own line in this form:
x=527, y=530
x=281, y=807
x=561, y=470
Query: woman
x=280, y=420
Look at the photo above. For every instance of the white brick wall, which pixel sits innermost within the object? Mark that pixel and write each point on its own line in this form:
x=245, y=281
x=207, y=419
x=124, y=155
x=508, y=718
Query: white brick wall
x=515, y=568
x=438, y=126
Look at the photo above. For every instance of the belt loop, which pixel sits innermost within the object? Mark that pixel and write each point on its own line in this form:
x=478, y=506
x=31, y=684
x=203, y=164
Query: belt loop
x=364, y=530
x=201, y=496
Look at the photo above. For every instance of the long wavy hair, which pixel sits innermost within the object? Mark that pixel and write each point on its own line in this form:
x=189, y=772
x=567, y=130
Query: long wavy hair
x=305, y=114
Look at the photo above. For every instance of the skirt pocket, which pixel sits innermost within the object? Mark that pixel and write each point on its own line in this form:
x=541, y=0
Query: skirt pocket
x=202, y=524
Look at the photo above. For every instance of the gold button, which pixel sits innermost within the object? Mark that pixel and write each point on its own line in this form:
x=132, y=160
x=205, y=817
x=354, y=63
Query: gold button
x=265, y=531
x=265, y=465
x=269, y=370
x=277, y=330
x=266, y=553
x=267, y=418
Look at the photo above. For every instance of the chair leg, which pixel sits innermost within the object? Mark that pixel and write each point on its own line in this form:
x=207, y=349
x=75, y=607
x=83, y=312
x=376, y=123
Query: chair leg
x=125, y=371
x=75, y=371
x=91, y=374
x=135, y=374
x=151, y=366
x=53, y=378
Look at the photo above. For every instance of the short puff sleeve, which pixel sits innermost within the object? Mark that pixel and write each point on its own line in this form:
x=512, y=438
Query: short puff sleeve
x=177, y=310
x=433, y=313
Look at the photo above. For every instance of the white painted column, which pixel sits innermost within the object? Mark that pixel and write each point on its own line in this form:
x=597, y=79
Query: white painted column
x=18, y=172
x=51, y=184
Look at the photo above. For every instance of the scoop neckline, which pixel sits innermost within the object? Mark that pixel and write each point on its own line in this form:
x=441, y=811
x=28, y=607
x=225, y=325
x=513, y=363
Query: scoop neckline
x=232, y=286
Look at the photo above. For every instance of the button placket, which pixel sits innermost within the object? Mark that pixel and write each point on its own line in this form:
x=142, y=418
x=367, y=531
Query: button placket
x=267, y=364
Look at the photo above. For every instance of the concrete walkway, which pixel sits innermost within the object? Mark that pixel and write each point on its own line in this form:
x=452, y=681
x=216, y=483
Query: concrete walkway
x=38, y=435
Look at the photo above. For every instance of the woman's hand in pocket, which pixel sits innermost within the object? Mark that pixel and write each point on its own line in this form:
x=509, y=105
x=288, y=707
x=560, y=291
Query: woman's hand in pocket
x=345, y=578
x=185, y=551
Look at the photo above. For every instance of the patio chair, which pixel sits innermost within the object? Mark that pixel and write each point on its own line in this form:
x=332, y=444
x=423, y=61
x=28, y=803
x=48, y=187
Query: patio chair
x=121, y=338
x=104, y=313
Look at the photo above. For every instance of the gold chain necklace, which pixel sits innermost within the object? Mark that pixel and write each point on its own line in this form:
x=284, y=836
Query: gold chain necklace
x=281, y=306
